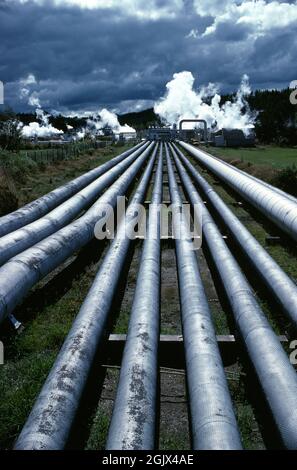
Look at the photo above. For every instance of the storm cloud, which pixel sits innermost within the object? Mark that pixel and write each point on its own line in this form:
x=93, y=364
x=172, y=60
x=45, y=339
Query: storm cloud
x=86, y=55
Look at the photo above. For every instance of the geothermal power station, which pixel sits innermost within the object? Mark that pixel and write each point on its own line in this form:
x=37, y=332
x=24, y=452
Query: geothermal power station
x=162, y=169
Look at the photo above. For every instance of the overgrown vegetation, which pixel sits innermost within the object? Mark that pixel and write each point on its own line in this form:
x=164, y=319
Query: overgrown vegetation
x=277, y=117
x=14, y=169
x=17, y=165
x=287, y=180
x=10, y=135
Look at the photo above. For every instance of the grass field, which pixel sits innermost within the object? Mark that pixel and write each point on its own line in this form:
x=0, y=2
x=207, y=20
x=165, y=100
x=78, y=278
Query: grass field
x=277, y=157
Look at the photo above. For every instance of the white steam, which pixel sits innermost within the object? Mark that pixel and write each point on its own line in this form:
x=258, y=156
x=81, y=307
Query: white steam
x=97, y=123
x=109, y=119
x=35, y=129
x=182, y=101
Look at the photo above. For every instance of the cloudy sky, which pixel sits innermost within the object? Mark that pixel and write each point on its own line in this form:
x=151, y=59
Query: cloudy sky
x=89, y=54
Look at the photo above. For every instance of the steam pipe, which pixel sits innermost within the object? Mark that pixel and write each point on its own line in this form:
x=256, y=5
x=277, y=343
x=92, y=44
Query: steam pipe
x=23, y=271
x=15, y=242
x=194, y=120
x=278, y=208
x=52, y=416
x=276, y=375
x=274, y=188
x=278, y=282
x=213, y=421
x=133, y=423
x=36, y=209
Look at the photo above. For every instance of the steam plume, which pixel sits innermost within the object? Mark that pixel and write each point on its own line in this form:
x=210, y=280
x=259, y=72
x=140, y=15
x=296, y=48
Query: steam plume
x=182, y=101
x=35, y=129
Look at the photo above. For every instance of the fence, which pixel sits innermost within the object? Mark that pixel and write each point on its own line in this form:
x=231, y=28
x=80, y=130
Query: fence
x=64, y=152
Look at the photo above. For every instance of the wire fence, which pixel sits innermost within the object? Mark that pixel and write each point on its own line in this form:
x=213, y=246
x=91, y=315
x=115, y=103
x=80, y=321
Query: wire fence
x=64, y=152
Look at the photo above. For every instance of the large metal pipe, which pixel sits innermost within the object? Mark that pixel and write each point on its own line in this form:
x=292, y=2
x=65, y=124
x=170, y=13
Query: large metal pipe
x=213, y=421
x=133, y=423
x=52, y=416
x=36, y=209
x=276, y=375
x=278, y=282
x=274, y=188
x=278, y=208
x=21, y=239
x=23, y=271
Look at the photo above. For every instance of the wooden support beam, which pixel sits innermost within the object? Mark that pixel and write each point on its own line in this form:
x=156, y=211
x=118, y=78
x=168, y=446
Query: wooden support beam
x=171, y=350
x=270, y=240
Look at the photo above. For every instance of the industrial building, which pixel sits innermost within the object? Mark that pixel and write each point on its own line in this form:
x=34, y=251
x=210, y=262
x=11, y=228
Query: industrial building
x=164, y=134
x=233, y=138
x=222, y=138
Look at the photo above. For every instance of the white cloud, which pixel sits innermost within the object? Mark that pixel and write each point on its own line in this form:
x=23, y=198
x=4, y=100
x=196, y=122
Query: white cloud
x=261, y=16
x=212, y=7
x=143, y=9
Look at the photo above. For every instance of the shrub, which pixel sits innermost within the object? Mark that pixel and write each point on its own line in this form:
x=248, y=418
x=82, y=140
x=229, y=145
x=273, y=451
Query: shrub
x=17, y=165
x=287, y=180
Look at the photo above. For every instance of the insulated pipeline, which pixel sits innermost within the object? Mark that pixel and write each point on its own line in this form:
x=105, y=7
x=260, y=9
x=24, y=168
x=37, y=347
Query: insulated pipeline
x=278, y=282
x=52, y=416
x=276, y=207
x=133, y=423
x=275, y=373
x=21, y=239
x=36, y=209
x=23, y=271
x=213, y=421
x=274, y=188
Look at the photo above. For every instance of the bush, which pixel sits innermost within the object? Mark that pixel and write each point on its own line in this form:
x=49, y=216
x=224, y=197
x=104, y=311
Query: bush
x=287, y=180
x=8, y=194
x=16, y=165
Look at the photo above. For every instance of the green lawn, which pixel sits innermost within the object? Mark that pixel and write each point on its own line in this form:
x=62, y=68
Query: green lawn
x=278, y=157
